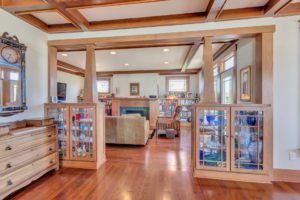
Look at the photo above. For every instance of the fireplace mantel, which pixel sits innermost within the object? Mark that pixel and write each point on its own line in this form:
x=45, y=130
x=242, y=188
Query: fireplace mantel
x=153, y=105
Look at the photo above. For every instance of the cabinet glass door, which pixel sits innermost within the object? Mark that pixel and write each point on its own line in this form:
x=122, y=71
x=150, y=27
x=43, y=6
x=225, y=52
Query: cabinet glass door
x=82, y=133
x=213, y=138
x=60, y=115
x=247, y=141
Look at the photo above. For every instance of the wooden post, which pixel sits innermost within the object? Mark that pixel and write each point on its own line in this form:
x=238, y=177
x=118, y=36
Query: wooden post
x=208, y=74
x=258, y=70
x=90, y=81
x=267, y=68
x=52, y=73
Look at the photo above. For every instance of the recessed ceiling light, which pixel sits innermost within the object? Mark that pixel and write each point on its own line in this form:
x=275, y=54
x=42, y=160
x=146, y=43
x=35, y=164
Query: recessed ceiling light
x=166, y=50
x=64, y=54
x=113, y=53
x=166, y=62
x=126, y=64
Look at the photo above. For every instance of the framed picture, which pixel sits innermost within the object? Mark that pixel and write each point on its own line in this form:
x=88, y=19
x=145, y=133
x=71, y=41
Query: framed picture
x=134, y=89
x=245, y=84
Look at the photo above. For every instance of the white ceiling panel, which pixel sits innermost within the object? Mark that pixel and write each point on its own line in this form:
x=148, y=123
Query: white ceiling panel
x=161, y=8
x=51, y=18
x=138, y=59
x=235, y=4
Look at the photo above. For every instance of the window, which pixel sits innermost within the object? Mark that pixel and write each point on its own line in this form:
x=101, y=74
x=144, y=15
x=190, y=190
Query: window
x=227, y=90
x=229, y=62
x=178, y=84
x=103, y=85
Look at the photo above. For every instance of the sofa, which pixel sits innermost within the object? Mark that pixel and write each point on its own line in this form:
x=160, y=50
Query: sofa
x=129, y=129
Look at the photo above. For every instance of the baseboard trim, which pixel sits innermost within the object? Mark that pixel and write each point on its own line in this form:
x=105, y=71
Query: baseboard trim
x=286, y=175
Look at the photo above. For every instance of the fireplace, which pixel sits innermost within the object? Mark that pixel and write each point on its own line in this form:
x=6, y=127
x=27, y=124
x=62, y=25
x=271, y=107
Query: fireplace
x=143, y=111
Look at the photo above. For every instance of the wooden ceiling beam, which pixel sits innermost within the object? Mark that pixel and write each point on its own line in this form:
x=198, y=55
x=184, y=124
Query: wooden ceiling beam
x=223, y=49
x=231, y=33
x=70, y=67
x=241, y=13
x=148, y=21
x=6, y=3
x=289, y=9
x=163, y=72
x=61, y=8
x=214, y=9
x=190, y=55
x=80, y=4
x=70, y=71
x=273, y=6
x=34, y=21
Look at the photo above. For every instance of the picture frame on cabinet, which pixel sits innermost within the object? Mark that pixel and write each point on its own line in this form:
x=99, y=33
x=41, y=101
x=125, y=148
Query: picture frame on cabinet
x=245, y=84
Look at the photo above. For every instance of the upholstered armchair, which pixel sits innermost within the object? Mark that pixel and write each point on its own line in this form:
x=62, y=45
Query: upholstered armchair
x=163, y=123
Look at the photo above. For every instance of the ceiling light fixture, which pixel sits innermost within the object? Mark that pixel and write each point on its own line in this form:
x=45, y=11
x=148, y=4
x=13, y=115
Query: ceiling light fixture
x=166, y=62
x=113, y=53
x=64, y=54
x=166, y=50
x=126, y=64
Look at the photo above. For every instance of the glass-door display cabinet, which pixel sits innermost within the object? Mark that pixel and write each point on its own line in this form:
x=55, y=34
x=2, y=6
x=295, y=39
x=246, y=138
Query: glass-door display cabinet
x=81, y=129
x=232, y=142
x=60, y=113
x=82, y=133
x=213, y=138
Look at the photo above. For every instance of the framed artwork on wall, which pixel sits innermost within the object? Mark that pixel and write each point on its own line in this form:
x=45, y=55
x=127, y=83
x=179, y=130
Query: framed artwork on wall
x=245, y=84
x=134, y=89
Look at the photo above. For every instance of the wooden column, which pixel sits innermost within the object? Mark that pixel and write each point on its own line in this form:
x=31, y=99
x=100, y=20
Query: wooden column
x=208, y=74
x=52, y=73
x=90, y=81
x=267, y=68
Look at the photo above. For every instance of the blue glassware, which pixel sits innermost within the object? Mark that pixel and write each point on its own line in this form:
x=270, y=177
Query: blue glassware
x=251, y=121
x=210, y=119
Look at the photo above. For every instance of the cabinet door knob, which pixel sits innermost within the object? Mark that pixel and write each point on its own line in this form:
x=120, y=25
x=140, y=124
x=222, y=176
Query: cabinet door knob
x=8, y=148
x=49, y=136
x=51, y=162
x=50, y=149
x=9, y=182
x=8, y=165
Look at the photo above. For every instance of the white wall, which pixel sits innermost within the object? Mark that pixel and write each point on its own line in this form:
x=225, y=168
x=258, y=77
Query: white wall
x=36, y=63
x=74, y=85
x=148, y=84
x=245, y=58
x=286, y=74
x=286, y=92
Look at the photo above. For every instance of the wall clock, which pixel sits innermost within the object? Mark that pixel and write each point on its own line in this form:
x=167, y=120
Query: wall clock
x=10, y=55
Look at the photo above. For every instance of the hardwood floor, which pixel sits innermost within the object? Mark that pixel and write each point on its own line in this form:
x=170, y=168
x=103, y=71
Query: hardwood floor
x=158, y=172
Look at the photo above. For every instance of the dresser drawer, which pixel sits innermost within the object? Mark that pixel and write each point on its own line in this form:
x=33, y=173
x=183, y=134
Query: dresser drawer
x=12, y=180
x=17, y=144
x=18, y=160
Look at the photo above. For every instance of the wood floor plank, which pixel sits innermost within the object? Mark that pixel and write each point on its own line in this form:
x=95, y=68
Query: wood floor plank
x=158, y=171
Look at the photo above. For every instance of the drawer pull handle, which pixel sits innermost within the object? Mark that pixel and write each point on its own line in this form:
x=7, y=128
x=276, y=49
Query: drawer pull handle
x=50, y=149
x=8, y=165
x=8, y=148
x=9, y=182
x=49, y=136
x=51, y=162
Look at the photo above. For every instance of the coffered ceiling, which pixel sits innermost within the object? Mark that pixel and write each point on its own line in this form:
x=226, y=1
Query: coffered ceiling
x=54, y=16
